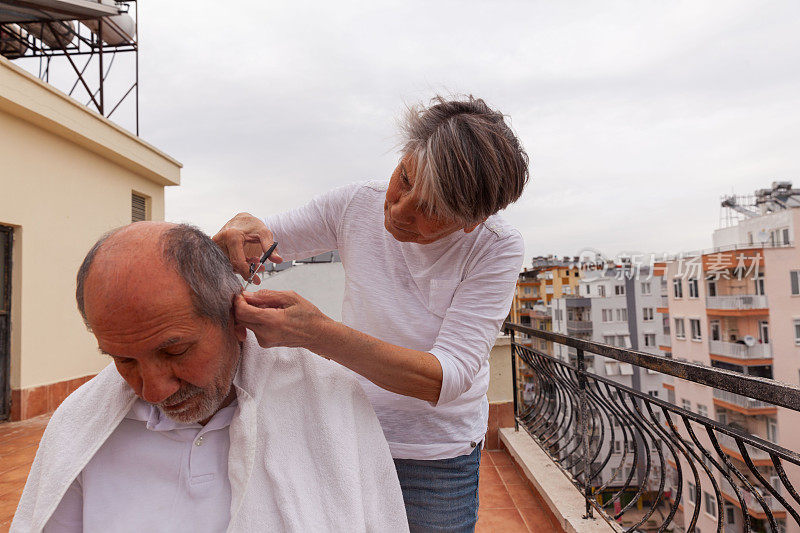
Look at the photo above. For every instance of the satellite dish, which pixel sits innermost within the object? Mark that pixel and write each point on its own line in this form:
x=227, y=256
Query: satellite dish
x=749, y=340
x=762, y=236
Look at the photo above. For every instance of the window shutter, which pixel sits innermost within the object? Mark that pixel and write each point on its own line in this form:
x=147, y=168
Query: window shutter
x=138, y=208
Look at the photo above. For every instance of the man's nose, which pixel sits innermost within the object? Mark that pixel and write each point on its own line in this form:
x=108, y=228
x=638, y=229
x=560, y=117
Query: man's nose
x=158, y=383
x=404, y=210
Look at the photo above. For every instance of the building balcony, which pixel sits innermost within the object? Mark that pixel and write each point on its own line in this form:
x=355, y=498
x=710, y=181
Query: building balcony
x=579, y=326
x=734, y=352
x=663, y=341
x=578, y=301
x=729, y=446
x=754, y=507
x=737, y=304
x=628, y=452
x=742, y=404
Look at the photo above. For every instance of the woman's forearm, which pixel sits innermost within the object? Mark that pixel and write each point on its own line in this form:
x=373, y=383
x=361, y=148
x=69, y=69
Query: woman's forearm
x=394, y=368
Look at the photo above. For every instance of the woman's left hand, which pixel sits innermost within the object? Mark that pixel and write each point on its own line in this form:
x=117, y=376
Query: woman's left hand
x=281, y=318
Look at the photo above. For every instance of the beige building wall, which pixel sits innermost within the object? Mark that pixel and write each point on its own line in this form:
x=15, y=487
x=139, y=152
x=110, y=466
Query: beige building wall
x=66, y=177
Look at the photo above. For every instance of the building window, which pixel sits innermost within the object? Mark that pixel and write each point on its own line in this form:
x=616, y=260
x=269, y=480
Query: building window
x=646, y=288
x=772, y=430
x=649, y=340
x=680, y=333
x=619, y=290
x=608, y=339
x=647, y=314
x=139, y=207
x=601, y=290
x=694, y=288
x=759, y=282
x=779, y=237
x=607, y=315
x=622, y=315
x=794, y=276
x=677, y=288
x=702, y=410
x=692, y=493
x=687, y=405
x=712, y=287
x=797, y=331
x=730, y=514
x=695, y=325
x=711, y=503
x=715, y=331
x=653, y=393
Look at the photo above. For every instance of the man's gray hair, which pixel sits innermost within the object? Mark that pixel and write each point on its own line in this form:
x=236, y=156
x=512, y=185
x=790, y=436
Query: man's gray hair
x=469, y=163
x=197, y=259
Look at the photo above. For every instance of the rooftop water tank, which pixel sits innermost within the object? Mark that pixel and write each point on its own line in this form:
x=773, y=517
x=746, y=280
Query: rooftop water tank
x=117, y=30
x=12, y=41
x=57, y=34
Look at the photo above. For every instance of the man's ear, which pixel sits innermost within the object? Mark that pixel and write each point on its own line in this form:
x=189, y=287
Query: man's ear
x=240, y=331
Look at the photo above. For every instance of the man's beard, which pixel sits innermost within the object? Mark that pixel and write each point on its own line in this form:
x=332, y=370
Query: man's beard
x=201, y=403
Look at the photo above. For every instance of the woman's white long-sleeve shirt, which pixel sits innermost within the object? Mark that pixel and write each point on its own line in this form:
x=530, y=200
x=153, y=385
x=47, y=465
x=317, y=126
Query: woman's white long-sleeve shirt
x=448, y=298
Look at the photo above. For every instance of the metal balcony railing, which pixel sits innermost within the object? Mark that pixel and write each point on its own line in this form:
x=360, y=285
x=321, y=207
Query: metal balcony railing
x=576, y=416
x=740, y=351
x=737, y=302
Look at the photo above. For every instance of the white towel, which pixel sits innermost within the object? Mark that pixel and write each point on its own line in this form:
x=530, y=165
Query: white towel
x=307, y=452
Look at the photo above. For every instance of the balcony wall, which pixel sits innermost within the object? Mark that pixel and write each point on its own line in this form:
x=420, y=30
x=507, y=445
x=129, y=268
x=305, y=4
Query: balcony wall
x=740, y=351
x=737, y=302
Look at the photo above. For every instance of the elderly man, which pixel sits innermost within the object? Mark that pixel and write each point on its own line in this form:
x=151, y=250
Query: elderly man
x=194, y=427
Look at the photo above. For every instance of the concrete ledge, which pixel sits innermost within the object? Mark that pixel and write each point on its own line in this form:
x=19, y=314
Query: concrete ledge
x=27, y=97
x=564, y=500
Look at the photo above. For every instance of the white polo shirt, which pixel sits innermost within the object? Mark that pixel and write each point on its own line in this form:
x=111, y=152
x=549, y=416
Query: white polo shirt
x=153, y=474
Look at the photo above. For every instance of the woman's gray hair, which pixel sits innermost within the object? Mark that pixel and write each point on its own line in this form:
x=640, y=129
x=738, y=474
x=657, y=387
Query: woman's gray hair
x=469, y=164
x=197, y=259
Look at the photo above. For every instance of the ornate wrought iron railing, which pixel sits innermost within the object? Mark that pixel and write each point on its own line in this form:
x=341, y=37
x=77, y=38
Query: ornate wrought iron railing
x=646, y=463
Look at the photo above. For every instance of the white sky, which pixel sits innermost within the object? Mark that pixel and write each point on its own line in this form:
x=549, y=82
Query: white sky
x=637, y=115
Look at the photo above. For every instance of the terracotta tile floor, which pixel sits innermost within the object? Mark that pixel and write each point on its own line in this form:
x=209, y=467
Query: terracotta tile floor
x=18, y=443
x=507, y=503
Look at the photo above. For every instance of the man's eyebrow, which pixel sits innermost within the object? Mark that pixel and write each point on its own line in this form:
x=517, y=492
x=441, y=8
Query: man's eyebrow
x=169, y=342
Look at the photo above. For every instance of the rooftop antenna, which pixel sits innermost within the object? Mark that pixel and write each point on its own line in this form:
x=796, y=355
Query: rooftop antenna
x=75, y=32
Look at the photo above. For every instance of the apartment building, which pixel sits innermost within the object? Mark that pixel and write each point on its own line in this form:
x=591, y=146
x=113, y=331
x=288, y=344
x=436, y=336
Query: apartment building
x=617, y=307
x=548, y=278
x=737, y=306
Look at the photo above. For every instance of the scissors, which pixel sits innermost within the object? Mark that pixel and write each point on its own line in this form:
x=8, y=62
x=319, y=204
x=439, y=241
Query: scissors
x=254, y=269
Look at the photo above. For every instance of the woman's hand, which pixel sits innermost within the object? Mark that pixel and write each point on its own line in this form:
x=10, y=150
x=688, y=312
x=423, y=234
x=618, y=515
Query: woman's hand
x=244, y=238
x=281, y=318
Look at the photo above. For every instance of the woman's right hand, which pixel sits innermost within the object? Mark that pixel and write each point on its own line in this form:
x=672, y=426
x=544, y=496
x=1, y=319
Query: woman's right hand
x=244, y=238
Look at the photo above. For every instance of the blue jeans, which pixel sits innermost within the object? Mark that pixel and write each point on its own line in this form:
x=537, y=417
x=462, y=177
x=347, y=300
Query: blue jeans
x=441, y=495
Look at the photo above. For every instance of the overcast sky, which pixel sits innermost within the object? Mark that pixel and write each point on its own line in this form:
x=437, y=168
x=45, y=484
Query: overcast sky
x=636, y=115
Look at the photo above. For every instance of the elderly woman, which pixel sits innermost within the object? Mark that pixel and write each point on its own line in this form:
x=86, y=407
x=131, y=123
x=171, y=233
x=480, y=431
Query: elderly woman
x=430, y=270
